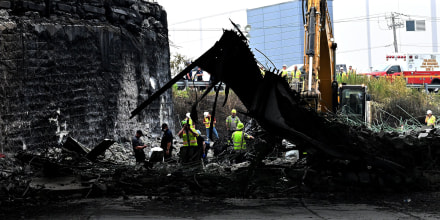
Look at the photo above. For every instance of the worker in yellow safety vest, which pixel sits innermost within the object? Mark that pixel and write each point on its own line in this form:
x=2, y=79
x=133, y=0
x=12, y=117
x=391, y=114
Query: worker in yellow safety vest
x=189, y=137
x=284, y=73
x=263, y=73
x=190, y=121
x=351, y=71
x=238, y=138
x=296, y=74
x=344, y=77
x=430, y=119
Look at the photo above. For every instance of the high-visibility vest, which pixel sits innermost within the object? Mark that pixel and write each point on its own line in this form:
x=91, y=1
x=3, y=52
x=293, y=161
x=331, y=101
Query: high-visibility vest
x=232, y=124
x=430, y=121
x=208, y=122
x=284, y=73
x=297, y=74
x=189, y=137
x=191, y=124
x=239, y=140
x=344, y=75
x=352, y=71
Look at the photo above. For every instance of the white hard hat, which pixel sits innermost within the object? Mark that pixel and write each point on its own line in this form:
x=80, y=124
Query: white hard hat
x=429, y=112
x=285, y=65
x=205, y=114
x=341, y=68
x=188, y=115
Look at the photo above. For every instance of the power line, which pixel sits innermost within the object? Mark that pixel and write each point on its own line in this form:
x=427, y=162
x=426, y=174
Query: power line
x=209, y=16
x=362, y=49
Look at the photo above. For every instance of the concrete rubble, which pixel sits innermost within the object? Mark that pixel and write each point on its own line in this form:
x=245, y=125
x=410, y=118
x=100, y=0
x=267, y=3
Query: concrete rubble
x=84, y=151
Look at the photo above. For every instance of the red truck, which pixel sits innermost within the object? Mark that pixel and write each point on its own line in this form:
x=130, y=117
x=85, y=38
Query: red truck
x=418, y=69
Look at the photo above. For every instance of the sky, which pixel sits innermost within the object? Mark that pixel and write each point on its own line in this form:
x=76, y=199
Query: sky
x=351, y=22
x=186, y=17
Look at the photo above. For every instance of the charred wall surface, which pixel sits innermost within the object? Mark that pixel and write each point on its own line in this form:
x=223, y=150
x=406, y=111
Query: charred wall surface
x=78, y=68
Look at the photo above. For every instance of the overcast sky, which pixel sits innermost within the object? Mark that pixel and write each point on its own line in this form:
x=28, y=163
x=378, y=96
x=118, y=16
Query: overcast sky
x=183, y=10
x=187, y=17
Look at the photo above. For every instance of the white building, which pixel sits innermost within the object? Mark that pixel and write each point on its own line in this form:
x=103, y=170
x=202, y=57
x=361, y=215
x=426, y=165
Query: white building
x=363, y=29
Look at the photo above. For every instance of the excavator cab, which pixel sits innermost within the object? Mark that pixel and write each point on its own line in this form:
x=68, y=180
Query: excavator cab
x=353, y=101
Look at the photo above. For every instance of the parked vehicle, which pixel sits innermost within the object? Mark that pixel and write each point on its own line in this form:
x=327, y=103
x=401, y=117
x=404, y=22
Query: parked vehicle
x=416, y=68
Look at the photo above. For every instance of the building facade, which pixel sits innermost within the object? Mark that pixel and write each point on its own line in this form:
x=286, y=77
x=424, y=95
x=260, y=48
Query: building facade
x=277, y=31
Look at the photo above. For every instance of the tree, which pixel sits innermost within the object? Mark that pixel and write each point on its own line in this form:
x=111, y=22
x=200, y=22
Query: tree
x=178, y=62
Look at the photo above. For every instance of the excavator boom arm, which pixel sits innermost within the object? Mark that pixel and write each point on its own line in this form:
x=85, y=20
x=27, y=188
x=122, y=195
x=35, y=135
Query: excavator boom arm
x=319, y=55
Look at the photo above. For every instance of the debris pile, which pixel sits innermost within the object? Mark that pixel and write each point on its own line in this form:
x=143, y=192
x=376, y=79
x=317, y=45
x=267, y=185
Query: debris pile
x=349, y=154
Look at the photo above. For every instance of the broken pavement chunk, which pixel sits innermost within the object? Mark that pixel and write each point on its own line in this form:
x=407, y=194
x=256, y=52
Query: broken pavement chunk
x=99, y=149
x=73, y=145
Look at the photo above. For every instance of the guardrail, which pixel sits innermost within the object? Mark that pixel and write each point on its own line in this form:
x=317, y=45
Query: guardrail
x=425, y=86
x=197, y=84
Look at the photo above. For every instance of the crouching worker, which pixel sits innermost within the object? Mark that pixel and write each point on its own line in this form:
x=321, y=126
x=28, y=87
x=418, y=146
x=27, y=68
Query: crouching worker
x=189, y=137
x=239, y=140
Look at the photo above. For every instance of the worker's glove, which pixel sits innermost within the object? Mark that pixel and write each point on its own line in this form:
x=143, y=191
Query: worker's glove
x=204, y=155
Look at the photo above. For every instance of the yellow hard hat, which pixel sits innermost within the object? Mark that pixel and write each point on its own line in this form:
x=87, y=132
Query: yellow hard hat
x=234, y=111
x=240, y=126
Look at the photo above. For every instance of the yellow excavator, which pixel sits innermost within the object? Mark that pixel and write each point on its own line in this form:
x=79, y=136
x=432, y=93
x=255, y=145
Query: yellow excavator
x=319, y=57
x=320, y=85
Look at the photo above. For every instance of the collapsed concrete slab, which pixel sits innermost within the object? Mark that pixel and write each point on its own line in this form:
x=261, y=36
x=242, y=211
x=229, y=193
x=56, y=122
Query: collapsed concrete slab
x=99, y=149
x=73, y=145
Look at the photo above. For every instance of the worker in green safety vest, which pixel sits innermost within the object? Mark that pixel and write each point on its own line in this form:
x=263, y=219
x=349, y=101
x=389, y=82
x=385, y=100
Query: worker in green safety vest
x=189, y=137
x=238, y=138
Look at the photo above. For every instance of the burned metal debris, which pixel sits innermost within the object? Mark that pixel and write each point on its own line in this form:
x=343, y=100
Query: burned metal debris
x=353, y=153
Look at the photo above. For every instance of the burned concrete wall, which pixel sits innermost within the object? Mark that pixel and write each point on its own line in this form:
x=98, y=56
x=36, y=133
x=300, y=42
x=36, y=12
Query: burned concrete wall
x=78, y=68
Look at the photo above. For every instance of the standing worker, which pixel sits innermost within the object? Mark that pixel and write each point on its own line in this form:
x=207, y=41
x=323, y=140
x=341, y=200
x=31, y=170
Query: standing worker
x=138, y=147
x=199, y=74
x=189, y=137
x=201, y=146
x=284, y=73
x=207, y=121
x=296, y=74
x=232, y=122
x=430, y=119
x=167, y=141
x=263, y=73
x=351, y=71
x=296, y=78
x=344, y=77
x=190, y=121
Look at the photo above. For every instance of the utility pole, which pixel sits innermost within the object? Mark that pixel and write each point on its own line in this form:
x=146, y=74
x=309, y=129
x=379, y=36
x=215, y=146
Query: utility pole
x=395, y=24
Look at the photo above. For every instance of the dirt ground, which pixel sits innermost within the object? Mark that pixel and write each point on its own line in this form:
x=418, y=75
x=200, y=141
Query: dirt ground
x=396, y=206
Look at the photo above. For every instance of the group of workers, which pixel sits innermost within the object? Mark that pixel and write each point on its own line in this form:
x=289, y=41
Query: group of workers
x=295, y=74
x=343, y=76
x=194, y=145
